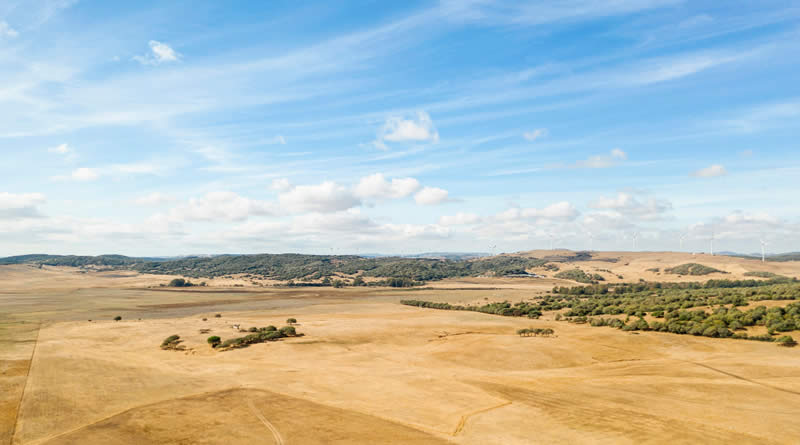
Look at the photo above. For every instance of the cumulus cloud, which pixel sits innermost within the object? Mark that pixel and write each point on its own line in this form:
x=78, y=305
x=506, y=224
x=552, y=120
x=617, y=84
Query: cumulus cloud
x=535, y=134
x=377, y=187
x=710, y=172
x=431, y=196
x=24, y=205
x=159, y=53
x=351, y=221
x=628, y=205
x=563, y=211
x=418, y=128
x=7, y=31
x=84, y=174
x=325, y=197
x=221, y=206
x=280, y=184
x=603, y=161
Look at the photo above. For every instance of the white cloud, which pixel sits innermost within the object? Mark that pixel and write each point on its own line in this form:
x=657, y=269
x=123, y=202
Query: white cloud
x=377, y=187
x=281, y=184
x=325, y=197
x=559, y=211
x=60, y=149
x=7, y=31
x=114, y=170
x=22, y=205
x=159, y=53
x=603, y=161
x=628, y=205
x=419, y=128
x=84, y=174
x=350, y=221
x=710, y=172
x=220, y=206
x=535, y=134
x=154, y=199
x=431, y=196
x=617, y=153
x=670, y=69
x=459, y=219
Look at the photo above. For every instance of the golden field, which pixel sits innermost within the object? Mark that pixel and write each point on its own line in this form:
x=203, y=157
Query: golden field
x=369, y=370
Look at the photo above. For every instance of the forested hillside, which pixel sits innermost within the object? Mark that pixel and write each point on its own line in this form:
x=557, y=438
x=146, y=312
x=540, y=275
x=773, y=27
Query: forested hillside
x=300, y=267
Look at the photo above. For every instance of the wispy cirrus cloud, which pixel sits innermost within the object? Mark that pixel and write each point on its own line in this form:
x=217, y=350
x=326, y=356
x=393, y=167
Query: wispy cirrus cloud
x=712, y=171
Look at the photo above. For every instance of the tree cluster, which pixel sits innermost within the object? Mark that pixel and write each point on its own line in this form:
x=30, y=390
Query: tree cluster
x=527, y=332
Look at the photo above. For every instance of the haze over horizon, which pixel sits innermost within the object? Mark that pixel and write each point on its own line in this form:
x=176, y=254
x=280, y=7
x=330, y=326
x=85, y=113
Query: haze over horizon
x=152, y=129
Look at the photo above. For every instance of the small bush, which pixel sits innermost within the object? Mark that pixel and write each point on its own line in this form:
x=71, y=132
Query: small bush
x=786, y=341
x=171, y=342
x=117, y=318
x=218, y=316
x=291, y=321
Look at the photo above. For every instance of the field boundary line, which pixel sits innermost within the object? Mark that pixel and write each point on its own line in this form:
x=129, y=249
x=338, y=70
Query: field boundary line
x=25, y=386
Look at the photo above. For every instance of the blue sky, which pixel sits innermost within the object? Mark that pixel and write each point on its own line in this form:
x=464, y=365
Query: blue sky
x=169, y=128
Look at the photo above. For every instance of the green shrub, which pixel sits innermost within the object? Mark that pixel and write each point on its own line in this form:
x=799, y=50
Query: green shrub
x=214, y=341
x=291, y=321
x=288, y=331
x=171, y=342
x=576, y=275
x=786, y=341
x=180, y=282
x=117, y=318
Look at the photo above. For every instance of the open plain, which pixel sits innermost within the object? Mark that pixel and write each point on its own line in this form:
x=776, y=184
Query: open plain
x=370, y=370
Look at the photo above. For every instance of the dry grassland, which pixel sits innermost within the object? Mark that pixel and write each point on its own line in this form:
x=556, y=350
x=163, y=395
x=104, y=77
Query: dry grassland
x=369, y=370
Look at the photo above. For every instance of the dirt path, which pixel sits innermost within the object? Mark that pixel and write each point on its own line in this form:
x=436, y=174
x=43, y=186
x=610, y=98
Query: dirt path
x=463, y=421
x=25, y=386
x=275, y=433
x=745, y=379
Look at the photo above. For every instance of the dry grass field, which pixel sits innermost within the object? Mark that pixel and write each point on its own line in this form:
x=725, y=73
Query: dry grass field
x=370, y=370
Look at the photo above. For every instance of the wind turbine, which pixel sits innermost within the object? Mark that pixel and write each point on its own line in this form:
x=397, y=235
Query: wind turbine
x=683, y=237
x=712, y=242
x=491, y=248
x=591, y=242
x=635, y=236
x=763, y=251
x=551, y=240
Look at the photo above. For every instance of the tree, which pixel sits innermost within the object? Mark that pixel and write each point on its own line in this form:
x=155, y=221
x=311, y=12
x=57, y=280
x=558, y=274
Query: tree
x=291, y=321
x=214, y=341
x=177, y=282
x=117, y=318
